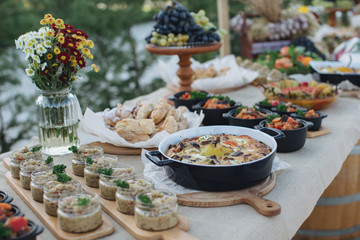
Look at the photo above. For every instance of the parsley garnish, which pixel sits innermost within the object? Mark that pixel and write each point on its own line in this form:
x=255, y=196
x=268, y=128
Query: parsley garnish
x=300, y=113
x=145, y=200
x=105, y=171
x=4, y=232
x=197, y=95
x=60, y=168
x=83, y=201
x=74, y=149
x=281, y=107
x=223, y=98
x=49, y=160
x=265, y=102
x=89, y=160
x=63, y=178
x=271, y=117
x=36, y=148
x=122, y=184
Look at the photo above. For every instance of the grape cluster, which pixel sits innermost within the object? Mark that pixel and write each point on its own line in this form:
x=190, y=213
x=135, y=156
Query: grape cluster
x=176, y=26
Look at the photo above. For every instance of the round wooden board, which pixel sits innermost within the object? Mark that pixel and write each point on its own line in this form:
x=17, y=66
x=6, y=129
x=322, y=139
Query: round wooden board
x=251, y=196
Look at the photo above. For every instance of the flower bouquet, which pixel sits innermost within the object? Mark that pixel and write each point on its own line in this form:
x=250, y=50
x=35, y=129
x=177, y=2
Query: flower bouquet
x=56, y=54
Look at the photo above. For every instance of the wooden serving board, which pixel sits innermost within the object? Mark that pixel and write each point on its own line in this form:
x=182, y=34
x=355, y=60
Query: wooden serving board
x=175, y=89
x=251, y=196
x=112, y=149
x=51, y=222
x=128, y=221
x=322, y=131
x=6, y=162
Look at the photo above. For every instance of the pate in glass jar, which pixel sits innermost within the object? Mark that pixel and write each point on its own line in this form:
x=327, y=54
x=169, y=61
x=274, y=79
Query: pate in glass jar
x=53, y=191
x=156, y=211
x=126, y=194
x=29, y=166
x=79, y=212
x=110, y=176
x=38, y=180
x=93, y=165
x=80, y=155
x=23, y=154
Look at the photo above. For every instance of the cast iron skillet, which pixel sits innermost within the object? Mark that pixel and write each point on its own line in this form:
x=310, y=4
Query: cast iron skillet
x=315, y=120
x=186, y=102
x=35, y=230
x=16, y=212
x=4, y=197
x=294, y=139
x=249, y=123
x=214, y=116
x=216, y=177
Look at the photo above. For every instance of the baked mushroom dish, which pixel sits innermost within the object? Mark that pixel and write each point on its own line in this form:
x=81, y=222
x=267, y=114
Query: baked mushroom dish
x=219, y=149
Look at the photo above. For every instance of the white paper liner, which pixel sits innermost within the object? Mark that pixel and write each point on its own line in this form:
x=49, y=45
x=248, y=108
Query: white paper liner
x=92, y=128
x=236, y=76
x=162, y=181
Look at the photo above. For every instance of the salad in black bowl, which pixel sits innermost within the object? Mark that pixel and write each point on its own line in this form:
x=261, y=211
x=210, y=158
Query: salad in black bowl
x=245, y=116
x=188, y=98
x=286, y=108
x=268, y=104
x=313, y=116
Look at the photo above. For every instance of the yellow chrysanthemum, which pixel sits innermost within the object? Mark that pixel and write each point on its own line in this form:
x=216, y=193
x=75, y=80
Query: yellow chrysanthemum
x=51, y=20
x=73, y=63
x=49, y=56
x=79, y=45
x=72, y=58
x=54, y=65
x=44, y=21
x=47, y=16
x=95, y=67
x=62, y=26
x=50, y=33
x=59, y=22
x=90, y=43
x=85, y=51
x=57, y=50
x=90, y=56
x=61, y=39
x=73, y=77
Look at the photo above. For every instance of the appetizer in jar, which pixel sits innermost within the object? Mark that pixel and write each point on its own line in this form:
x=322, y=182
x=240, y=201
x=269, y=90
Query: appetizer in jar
x=219, y=149
x=245, y=112
x=156, y=211
x=126, y=194
x=79, y=157
x=79, y=212
x=91, y=173
x=283, y=123
x=15, y=227
x=53, y=190
x=18, y=156
x=109, y=177
x=218, y=102
x=39, y=178
x=29, y=166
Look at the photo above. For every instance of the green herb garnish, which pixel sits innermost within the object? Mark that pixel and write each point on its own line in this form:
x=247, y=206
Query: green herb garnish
x=256, y=108
x=223, y=98
x=239, y=109
x=281, y=107
x=265, y=102
x=300, y=113
x=89, y=160
x=105, y=171
x=122, y=184
x=49, y=160
x=271, y=117
x=60, y=168
x=4, y=232
x=83, y=201
x=74, y=149
x=197, y=95
x=36, y=148
x=145, y=200
x=63, y=178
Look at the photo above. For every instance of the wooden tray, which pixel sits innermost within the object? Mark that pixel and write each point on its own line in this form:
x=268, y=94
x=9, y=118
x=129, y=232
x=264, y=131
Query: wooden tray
x=251, y=196
x=6, y=162
x=322, y=131
x=128, y=221
x=112, y=149
x=52, y=222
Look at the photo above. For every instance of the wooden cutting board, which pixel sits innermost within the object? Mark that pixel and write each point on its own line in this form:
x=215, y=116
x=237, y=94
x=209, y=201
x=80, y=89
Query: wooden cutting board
x=128, y=221
x=251, y=196
x=51, y=222
x=322, y=131
x=112, y=149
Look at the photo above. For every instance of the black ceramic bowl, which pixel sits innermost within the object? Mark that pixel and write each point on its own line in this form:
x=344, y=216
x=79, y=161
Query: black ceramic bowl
x=16, y=212
x=274, y=109
x=214, y=116
x=186, y=102
x=4, y=197
x=249, y=123
x=315, y=120
x=294, y=139
x=265, y=106
x=34, y=232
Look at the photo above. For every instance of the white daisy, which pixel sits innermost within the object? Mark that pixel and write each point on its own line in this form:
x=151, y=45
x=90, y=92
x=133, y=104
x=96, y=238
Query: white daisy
x=29, y=72
x=36, y=58
x=47, y=43
x=40, y=49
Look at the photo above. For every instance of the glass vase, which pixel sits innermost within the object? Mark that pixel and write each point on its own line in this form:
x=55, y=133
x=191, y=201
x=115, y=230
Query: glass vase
x=58, y=114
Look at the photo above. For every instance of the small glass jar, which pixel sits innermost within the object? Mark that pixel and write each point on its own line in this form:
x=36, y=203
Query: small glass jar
x=53, y=191
x=108, y=186
x=91, y=170
x=29, y=166
x=38, y=180
x=78, y=161
x=160, y=214
x=79, y=212
x=125, y=197
x=18, y=156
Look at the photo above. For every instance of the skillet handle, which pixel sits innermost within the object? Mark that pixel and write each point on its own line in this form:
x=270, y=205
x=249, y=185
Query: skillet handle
x=196, y=107
x=172, y=98
x=226, y=115
x=156, y=157
x=278, y=134
x=309, y=124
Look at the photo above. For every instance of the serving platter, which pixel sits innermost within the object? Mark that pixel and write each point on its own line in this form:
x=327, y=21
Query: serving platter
x=51, y=222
